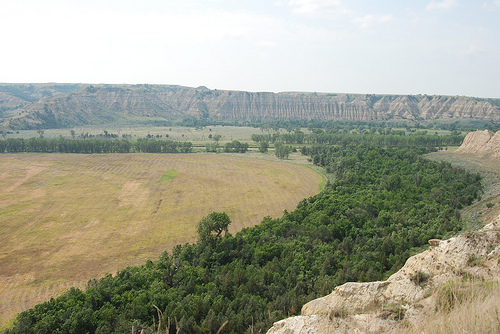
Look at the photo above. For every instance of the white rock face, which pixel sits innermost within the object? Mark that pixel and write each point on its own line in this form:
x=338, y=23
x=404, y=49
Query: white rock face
x=481, y=143
x=375, y=306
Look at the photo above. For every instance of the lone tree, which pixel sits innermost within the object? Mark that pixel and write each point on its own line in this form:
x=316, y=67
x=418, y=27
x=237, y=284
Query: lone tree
x=210, y=227
x=217, y=137
x=282, y=151
x=264, y=145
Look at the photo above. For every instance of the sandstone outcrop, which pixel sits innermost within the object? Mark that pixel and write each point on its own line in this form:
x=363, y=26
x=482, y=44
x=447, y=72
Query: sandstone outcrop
x=70, y=105
x=379, y=306
x=481, y=143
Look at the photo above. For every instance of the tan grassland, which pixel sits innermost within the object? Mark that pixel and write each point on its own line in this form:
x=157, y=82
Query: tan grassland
x=470, y=307
x=65, y=219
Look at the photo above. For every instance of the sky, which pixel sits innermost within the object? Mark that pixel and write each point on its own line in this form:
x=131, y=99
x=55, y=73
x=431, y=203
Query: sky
x=434, y=47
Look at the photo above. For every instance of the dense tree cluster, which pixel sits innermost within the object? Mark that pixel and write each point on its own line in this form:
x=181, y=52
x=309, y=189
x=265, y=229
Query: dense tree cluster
x=235, y=147
x=163, y=146
x=343, y=136
x=282, y=151
x=383, y=202
x=92, y=145
x=465, y=125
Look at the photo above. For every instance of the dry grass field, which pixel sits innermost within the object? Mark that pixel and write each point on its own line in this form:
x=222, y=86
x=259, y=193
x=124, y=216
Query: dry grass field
x=65, y=219
x=195, y=135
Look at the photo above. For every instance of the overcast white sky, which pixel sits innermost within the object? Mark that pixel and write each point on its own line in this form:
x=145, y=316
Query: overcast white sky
x=445, y=47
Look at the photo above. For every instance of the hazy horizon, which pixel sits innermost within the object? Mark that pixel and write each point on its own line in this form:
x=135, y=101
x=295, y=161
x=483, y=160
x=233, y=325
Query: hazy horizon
x=428, y=47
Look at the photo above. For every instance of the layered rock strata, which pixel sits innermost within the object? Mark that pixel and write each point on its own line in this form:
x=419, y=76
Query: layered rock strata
x=71, y=105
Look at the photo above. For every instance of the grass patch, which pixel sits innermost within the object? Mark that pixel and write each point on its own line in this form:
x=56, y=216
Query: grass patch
x=457, y=293
x=393, y=312
x=322, y=185
x=470, y=306
x=6, y=212
x=168, y=175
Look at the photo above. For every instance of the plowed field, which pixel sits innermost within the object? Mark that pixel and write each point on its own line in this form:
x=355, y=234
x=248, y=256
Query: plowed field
x=65, y=219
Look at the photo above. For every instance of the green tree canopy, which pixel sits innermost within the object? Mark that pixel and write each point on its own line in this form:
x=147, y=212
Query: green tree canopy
x=210, y=227
x=263, y=146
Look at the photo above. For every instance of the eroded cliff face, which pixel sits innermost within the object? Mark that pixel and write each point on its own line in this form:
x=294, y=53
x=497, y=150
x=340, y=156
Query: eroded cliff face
x=53, y=106
x=482, y=144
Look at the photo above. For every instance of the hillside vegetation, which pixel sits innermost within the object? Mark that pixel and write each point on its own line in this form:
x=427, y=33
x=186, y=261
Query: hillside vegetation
x=385, y=200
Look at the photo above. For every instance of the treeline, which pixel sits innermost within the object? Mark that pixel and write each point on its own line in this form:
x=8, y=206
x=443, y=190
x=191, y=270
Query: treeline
x=162, y=146
x=362, y=227
x=464, y=125
x=234, y=146
x=64, y=145
x=383, y=137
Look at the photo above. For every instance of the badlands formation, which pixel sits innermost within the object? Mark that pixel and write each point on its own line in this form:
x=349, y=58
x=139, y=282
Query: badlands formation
x=46, y=106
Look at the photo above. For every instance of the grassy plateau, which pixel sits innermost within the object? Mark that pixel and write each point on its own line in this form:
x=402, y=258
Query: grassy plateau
x=67, y=218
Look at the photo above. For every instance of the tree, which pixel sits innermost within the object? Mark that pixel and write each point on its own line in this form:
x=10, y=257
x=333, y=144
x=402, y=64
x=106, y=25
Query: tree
x=282, y=151
x=264, y=145
x=170, y=264
x=212, y=147
x=217, y=137
x=210, y=227
x=236, y=147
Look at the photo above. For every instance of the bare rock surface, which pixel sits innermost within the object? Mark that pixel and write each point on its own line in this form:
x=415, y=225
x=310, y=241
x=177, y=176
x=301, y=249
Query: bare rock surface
x=481, y=143
x=375, y=307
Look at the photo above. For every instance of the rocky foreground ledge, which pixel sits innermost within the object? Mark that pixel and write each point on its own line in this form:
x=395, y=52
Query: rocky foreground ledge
x=380, y=306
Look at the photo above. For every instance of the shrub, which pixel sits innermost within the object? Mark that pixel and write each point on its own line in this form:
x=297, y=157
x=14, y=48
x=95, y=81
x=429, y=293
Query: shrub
x=420, y=278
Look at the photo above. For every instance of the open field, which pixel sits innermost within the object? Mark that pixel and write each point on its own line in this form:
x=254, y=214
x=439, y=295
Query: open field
x=228, y=133
x=196, y=135
x=67, y=218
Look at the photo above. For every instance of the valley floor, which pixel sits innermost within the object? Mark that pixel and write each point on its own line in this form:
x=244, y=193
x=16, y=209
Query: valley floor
x=68, y=218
